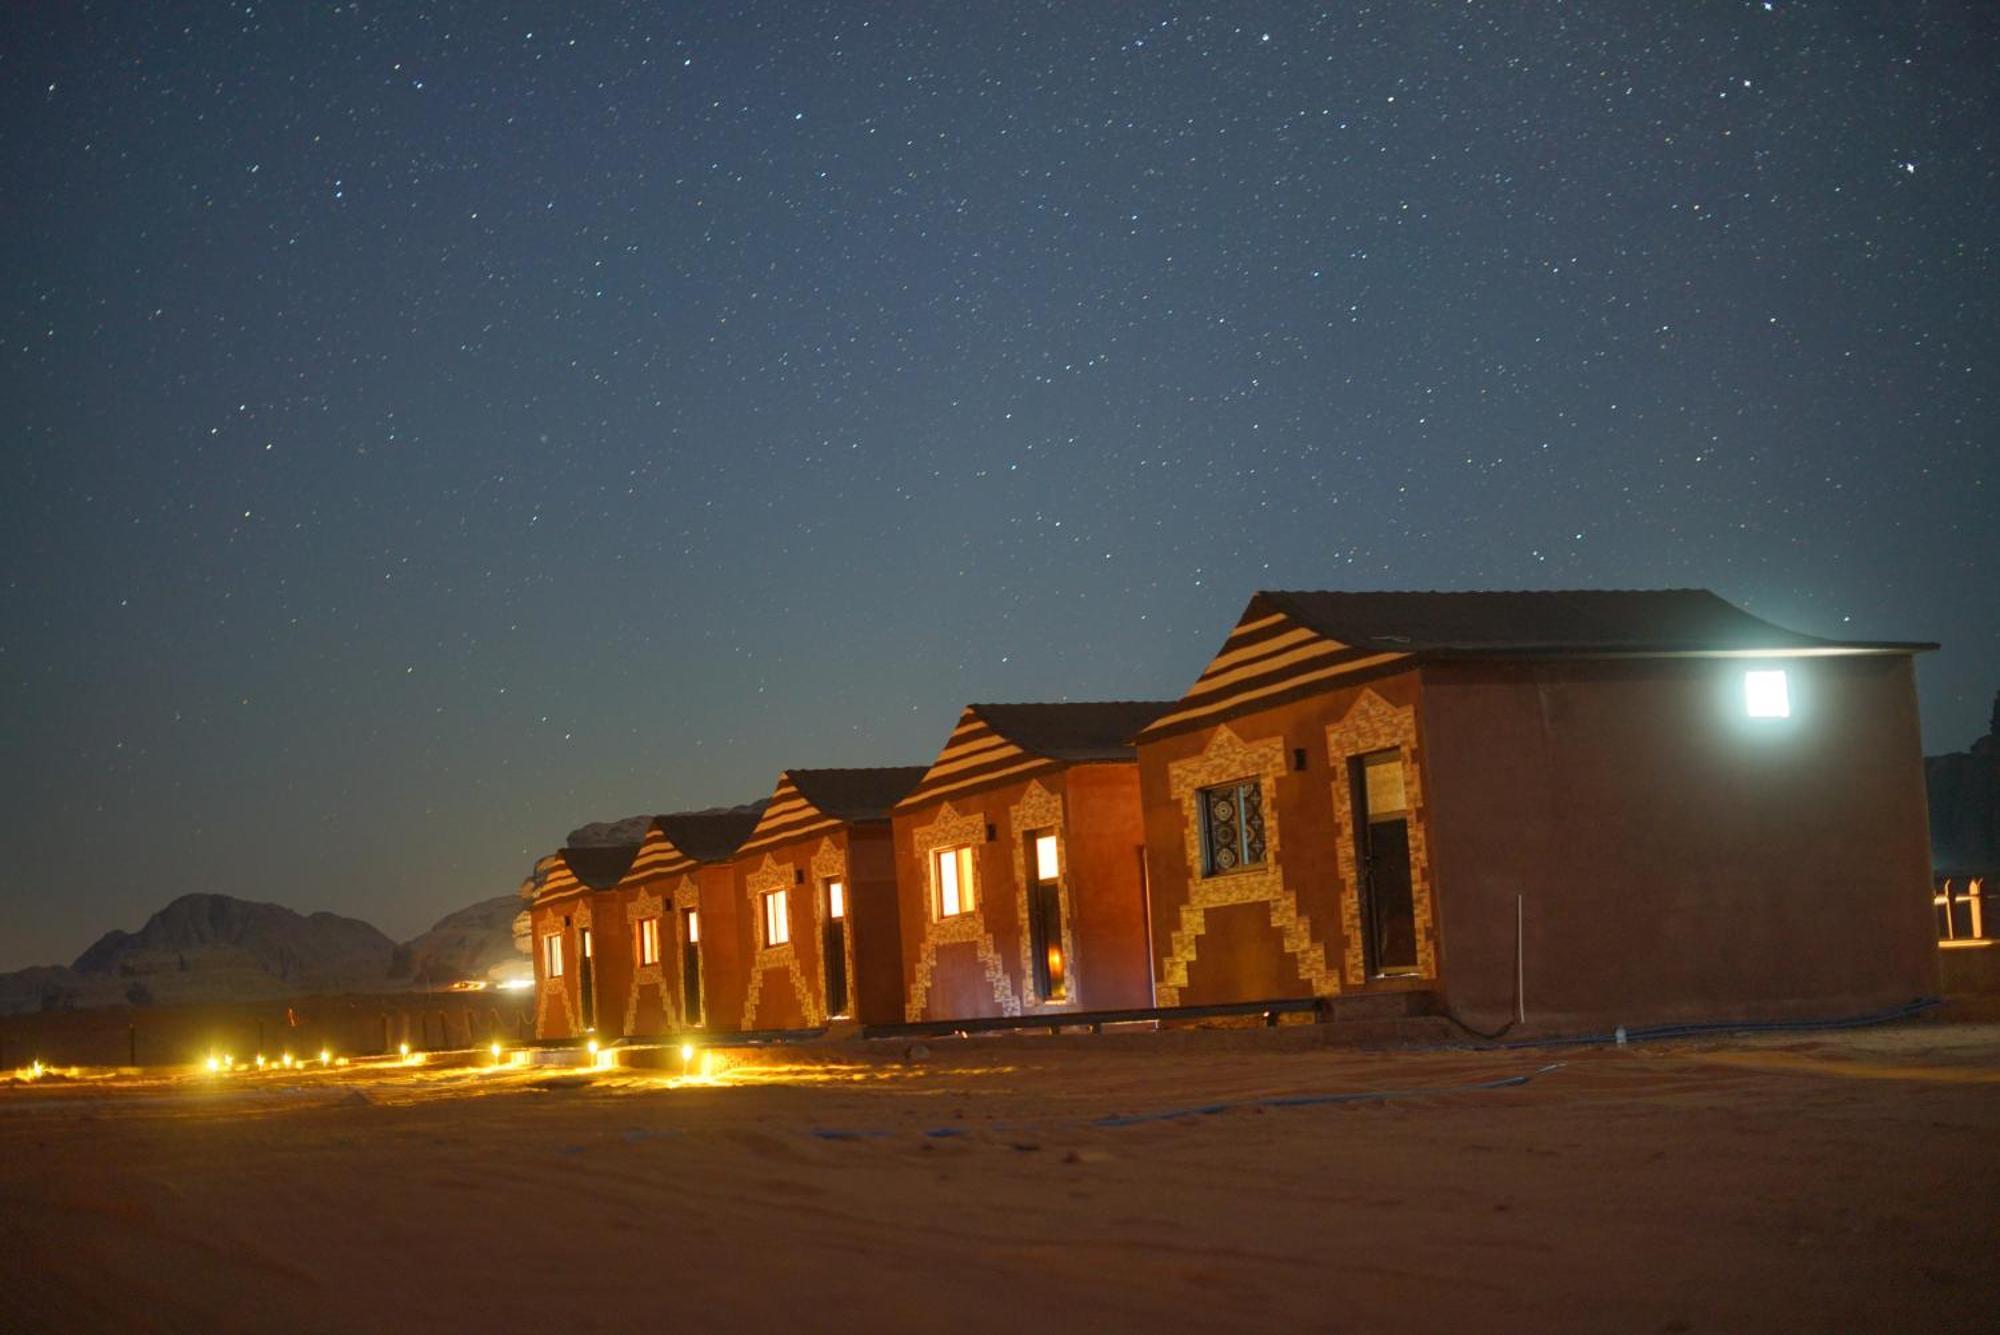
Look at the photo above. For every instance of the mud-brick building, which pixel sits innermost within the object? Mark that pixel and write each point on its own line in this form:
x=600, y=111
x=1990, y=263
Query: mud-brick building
x=1582, y=807
x=815, y=892
x=622, y=935
x=577, y=940
x=1020, y=865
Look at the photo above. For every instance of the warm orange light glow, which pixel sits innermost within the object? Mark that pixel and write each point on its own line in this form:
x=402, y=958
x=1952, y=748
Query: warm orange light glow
x=687, y=1052
x=405, y=1049
x=214, y=1063
x=495, y=1050
x=954, y=881
x=324, y=1056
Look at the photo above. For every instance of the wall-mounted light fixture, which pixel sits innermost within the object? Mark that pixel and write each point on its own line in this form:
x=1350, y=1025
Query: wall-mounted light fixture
x=1766, y=693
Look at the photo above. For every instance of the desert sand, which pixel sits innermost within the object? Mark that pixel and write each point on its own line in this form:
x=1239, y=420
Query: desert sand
x=1843, y=1181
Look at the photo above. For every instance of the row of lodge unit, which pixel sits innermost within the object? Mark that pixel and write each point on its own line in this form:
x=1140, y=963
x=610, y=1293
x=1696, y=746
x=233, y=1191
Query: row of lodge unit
x=1579, y=808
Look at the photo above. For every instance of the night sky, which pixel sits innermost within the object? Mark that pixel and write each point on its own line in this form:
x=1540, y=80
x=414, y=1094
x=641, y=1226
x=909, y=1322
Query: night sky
x=432, y=427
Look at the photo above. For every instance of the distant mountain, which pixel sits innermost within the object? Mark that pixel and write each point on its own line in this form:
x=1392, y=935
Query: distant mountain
x=224, y=932
x=476, y=942
x=203, y=948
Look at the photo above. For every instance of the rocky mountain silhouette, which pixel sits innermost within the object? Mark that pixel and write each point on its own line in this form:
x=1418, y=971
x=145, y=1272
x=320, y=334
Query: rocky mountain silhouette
x=208, y=947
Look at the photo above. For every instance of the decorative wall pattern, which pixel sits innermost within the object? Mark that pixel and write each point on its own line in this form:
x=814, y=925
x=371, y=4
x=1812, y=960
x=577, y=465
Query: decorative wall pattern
x=1373, y=724
x=950, y=830
x=774, y=875
x=652, y=975
x=1040, y=809
x=1228, y=757
x=553, y=994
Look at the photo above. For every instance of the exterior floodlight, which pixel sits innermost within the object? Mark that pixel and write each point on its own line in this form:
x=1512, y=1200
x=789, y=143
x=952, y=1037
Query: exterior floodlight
x=495, y=1050
x=1765, y=694
x=687, y=1052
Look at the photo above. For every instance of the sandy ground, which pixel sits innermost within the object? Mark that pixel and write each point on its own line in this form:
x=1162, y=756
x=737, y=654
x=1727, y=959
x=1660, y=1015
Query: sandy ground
x=1826, y=1182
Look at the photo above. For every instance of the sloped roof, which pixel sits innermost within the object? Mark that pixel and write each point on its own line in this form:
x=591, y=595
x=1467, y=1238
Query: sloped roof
x=710, y=836
x=1005, y=743
x=856, y=794
x=1289, y=644
x=599, y=868
x=675, y=842
x=1074, y=730
x=1562, y=621
x=810, y=802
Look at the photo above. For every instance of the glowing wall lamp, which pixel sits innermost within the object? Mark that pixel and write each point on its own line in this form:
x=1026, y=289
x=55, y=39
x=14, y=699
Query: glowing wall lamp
x=1766, y=694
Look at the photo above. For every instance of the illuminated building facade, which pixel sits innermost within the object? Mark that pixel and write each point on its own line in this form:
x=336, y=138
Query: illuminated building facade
x=1587, y=808
x=1020, y=864
x=639, y=939
x=815, y=894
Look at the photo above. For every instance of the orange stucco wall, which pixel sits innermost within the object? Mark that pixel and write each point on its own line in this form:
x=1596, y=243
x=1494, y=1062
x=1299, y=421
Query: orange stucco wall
x=1676, y=860
x=1238, y=951
x=791, y=991
x=979, y=968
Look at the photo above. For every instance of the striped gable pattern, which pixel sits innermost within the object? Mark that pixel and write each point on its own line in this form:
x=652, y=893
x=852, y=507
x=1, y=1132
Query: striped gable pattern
x=790, y=816
x=1269, y=655
x=974, y=755
x=1000, y=743
x=810, y=802
x=581, y=870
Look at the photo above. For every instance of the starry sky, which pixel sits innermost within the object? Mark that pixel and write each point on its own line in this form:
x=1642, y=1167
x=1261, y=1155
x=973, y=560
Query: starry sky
x=430, y=427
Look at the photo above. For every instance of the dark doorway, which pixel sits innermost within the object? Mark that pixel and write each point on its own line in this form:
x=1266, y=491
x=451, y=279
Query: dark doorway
x=834, y=952
x=1045, y=934
x=1382, y=855
x=691, y=965
x=585, y=980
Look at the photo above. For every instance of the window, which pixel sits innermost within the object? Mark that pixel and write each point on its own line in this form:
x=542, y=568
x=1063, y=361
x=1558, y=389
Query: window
x=694, y=927
x=777, y=921
x=552, y=955
x=1048, y=865
x=583, y=941
x=836, y=899
x=1765, y=694
x=1232, y=827
x=953, y=868
x=649, y=941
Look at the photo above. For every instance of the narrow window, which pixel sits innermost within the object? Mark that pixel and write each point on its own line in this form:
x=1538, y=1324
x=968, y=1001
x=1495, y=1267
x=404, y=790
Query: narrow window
x=552, y=955
x=1045, y=934
x=583, y=941
x=694, y=927
x=777, y=922
x=836, y=899
x=1232, y=827
x=954, y=881
x=649, y=941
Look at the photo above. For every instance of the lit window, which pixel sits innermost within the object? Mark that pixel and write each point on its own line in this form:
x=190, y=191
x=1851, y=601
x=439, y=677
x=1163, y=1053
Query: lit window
x=777, y=922
x=954, y=881
x=1232, y=827
x=694, y=927
x=649, y=941
x=1765, y=694
x=552, y=955
x=836, y=899
x=1048, y=866
x=583, y=940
